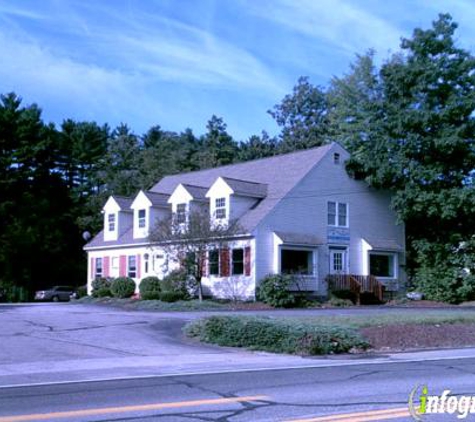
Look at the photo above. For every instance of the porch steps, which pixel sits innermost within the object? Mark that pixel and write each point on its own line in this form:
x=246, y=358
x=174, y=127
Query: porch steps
x=367, y=289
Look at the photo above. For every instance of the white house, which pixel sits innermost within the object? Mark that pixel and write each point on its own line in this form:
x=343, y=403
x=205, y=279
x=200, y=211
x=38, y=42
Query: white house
x=301, y=213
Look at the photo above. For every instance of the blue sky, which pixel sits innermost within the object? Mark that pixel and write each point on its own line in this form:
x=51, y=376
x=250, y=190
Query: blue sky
x=177, y=62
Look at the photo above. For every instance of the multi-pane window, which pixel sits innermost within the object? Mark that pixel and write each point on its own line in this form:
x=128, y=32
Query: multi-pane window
x=220, y=208
x=342, y=215
x=98, y=271
x=213, y=262
x=238, y=262
x=142, y=219
x=132, y=266
x=336, y=158
x=337, y=214
x=337, y=261
x=181, y=213
x=111, y=222
x=382, y=265
x=296, y=261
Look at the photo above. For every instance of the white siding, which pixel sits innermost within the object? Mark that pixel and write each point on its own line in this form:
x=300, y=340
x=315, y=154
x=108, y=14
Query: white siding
x=304, y=211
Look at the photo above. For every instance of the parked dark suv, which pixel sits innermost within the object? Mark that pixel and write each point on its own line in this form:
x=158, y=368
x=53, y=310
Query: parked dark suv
x=55, y=293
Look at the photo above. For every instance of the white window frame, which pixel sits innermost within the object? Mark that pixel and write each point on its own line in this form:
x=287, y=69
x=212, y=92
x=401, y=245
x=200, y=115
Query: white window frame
x=394, y=256
x=129, y=267
x=218, y=273
x=220, y=208
x=243, y=261
x=111, y=222
x=337, y=214
x=115, y=263
x=142, y=220
x=310, y=251
x=181, y=213
x=99, y=268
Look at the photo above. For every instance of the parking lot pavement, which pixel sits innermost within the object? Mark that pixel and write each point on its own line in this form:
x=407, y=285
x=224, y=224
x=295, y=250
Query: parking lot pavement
x=65, y=342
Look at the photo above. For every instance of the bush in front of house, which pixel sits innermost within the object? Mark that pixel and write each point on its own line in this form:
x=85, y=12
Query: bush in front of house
x=176, y=282
x=150, y=288
x=275, y=335
x=169, y=296
x=123, y=287
x=339, y=302
x=101, y=287
x=274, y=290
x=81, y=291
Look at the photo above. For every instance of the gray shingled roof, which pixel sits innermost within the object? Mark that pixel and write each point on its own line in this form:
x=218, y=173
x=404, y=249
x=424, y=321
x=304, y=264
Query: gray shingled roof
x=127, y=238
x=157, y=199
x=280, y=173
x=197, y=192
x=384, y=244
x=299, y=239
x=246, y=188
x=124, y=202
x=277, y=175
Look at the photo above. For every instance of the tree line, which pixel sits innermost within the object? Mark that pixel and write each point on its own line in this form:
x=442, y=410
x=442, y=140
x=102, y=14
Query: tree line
x=408, y=122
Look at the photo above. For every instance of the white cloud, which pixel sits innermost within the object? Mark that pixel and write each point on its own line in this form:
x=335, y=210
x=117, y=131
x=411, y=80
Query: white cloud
x=342, y=25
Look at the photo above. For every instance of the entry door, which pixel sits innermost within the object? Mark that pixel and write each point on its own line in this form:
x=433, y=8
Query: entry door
x=338, y=261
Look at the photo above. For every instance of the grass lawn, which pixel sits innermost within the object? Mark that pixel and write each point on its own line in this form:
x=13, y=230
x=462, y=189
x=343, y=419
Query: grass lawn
x=340, y=334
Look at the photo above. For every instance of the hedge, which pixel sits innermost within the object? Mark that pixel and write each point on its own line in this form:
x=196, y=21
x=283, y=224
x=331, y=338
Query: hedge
x=275, y=335
x=123, y=287
x=150, y=288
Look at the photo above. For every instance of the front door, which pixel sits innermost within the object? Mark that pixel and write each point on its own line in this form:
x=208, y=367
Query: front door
x=338, y=261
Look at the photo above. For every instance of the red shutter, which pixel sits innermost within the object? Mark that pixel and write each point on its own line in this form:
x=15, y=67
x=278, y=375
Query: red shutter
x=139, y=273
x=93, y=268
x=105, y=263
x=204, y=264
x=247, y=261
x=224, y=262
x=122, y=266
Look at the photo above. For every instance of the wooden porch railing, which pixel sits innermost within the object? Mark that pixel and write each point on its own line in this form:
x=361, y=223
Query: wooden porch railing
x=356, y=284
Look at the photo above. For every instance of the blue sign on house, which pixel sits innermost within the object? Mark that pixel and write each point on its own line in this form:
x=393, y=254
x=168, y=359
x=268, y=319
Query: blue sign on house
x=338, y=235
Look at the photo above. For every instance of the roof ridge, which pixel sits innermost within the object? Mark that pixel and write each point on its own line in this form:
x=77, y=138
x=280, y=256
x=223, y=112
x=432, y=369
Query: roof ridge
x=301, y=151
x=243, y=180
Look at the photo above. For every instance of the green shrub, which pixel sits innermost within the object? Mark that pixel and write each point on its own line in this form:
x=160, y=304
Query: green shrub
x=168, y=296
x=274, y=290
x=176, y=282
x=101, y=287
x=81, y=291
x=123, y=287
x=344, y=294
x=150, y=288
x=275, y=335
x=446, y=272
x=338, y=302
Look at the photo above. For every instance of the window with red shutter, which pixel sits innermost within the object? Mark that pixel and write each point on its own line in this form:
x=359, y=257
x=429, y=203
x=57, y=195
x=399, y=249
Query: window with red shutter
x=247, y=261
x=224, y=262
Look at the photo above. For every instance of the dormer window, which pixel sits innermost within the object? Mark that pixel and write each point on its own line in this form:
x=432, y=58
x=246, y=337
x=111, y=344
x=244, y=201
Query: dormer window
x=220, y=208
x=111, y=222
x=142, y=218
x=181, y=213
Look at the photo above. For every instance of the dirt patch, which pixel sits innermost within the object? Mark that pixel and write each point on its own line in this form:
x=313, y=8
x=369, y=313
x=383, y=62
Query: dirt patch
x=419, y=336
x=419, y=304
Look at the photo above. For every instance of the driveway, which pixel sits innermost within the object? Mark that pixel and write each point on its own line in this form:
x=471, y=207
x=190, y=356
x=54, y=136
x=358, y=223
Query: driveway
x=66, y=342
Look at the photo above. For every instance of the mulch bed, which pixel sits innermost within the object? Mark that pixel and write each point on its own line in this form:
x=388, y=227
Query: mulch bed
x=419, y=336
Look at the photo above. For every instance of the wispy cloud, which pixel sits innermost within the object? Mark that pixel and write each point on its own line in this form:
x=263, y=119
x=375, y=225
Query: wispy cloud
x=345, y=27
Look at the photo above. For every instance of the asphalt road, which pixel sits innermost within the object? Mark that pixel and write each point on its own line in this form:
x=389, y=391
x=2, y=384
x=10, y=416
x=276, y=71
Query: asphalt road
x=94, y=363
x=358, y=393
